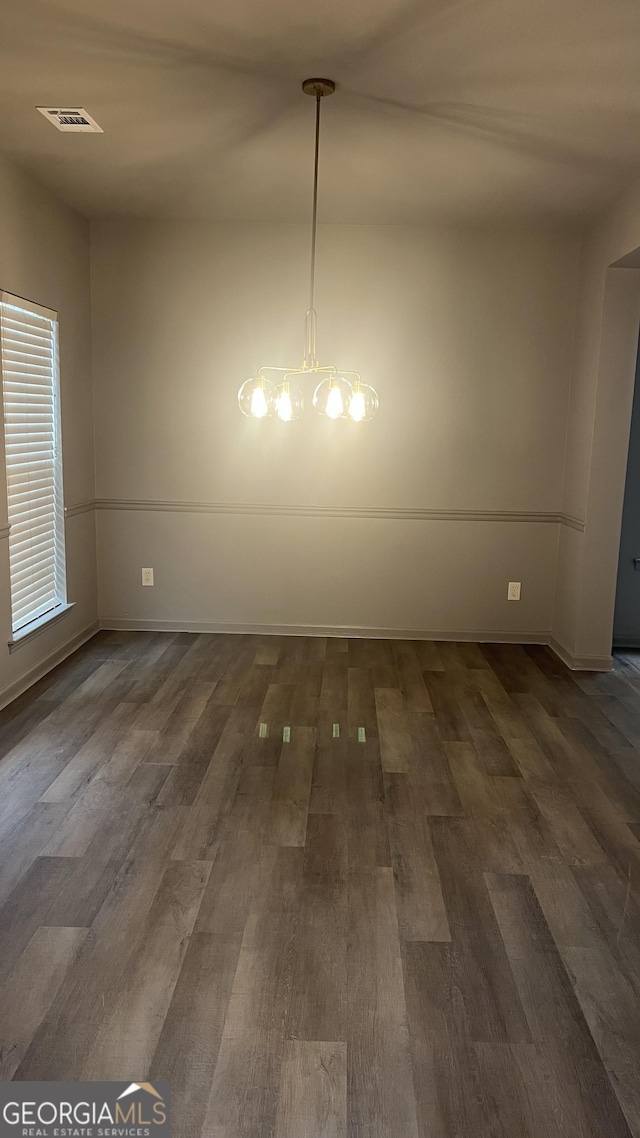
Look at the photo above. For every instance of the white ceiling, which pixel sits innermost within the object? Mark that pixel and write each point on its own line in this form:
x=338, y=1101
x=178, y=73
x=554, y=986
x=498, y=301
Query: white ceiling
x=445, y=109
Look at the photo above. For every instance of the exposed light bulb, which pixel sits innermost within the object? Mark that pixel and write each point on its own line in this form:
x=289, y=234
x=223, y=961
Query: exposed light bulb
x=259, y=406
x=284, y=408
x=357, y=409
x=335, y=406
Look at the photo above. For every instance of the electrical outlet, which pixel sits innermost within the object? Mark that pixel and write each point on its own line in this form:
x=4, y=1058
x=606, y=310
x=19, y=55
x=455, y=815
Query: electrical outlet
x=147, y=576
x=513, y=592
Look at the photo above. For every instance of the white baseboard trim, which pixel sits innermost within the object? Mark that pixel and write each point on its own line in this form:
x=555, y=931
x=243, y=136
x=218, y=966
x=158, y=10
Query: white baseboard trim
x=471, y=635
x=19, y=686
x=580, y=663
x=474, y=636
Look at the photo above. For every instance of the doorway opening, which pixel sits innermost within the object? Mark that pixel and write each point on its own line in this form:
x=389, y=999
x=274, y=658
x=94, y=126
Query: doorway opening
x=626, y=621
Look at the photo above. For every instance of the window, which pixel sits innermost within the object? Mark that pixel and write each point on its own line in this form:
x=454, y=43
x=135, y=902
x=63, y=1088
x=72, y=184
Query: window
x=30, y=392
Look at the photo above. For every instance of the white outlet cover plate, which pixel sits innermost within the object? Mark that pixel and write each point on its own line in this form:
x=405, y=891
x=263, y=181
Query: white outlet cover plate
x=513, y=592
x=147, y=576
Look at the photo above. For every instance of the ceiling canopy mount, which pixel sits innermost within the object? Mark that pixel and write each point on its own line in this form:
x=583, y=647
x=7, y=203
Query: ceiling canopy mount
x=318, y=88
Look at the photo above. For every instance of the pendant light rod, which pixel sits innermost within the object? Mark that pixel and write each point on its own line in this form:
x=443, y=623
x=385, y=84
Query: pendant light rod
x=318, y=88
x=314, y=215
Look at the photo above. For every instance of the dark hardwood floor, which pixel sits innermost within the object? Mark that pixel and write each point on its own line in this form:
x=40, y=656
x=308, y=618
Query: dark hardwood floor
x=419, y=917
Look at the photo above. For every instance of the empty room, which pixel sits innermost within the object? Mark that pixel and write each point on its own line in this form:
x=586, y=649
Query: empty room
x=320, y=569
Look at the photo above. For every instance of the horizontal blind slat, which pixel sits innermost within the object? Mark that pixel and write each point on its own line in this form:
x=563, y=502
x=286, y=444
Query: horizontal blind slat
x=34, y=588
x=28, y=353
x=50, y=604
x=32, y=530
x=25, y=491
x=28, y=550
x=43, y=601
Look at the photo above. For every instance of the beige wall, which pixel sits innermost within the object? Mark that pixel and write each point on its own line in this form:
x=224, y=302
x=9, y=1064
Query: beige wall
x=44, y=256
x=466, y=334
x=504, y=361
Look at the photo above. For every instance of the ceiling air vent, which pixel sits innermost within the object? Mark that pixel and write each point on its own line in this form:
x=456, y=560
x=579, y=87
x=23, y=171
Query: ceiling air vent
x=71, y=119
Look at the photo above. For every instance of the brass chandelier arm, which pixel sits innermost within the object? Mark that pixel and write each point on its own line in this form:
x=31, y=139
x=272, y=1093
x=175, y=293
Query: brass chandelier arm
x=356, y=373
x=300, y=370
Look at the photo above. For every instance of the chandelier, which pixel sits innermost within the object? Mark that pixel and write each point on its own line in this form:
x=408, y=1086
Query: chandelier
x=339, y=394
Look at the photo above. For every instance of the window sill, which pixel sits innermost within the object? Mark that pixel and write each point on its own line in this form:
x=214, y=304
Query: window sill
x=37, y=626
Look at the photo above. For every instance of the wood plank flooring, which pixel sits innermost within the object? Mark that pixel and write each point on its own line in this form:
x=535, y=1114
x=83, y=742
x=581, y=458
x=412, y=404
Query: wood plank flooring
x=328, y=888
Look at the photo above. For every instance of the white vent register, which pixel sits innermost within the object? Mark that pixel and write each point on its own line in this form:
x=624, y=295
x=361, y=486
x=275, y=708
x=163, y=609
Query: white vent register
x=72, y=119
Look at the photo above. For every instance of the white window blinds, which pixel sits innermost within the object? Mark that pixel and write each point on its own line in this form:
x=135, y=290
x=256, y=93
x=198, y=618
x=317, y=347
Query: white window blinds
x=30, y=390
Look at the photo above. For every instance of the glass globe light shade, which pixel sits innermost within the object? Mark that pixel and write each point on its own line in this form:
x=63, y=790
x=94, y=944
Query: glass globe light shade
x=363, y=403
x=332, y=397
x=257, y=397
x=289, y=402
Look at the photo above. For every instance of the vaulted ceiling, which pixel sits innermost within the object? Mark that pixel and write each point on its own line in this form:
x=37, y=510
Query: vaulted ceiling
x=445, y=109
